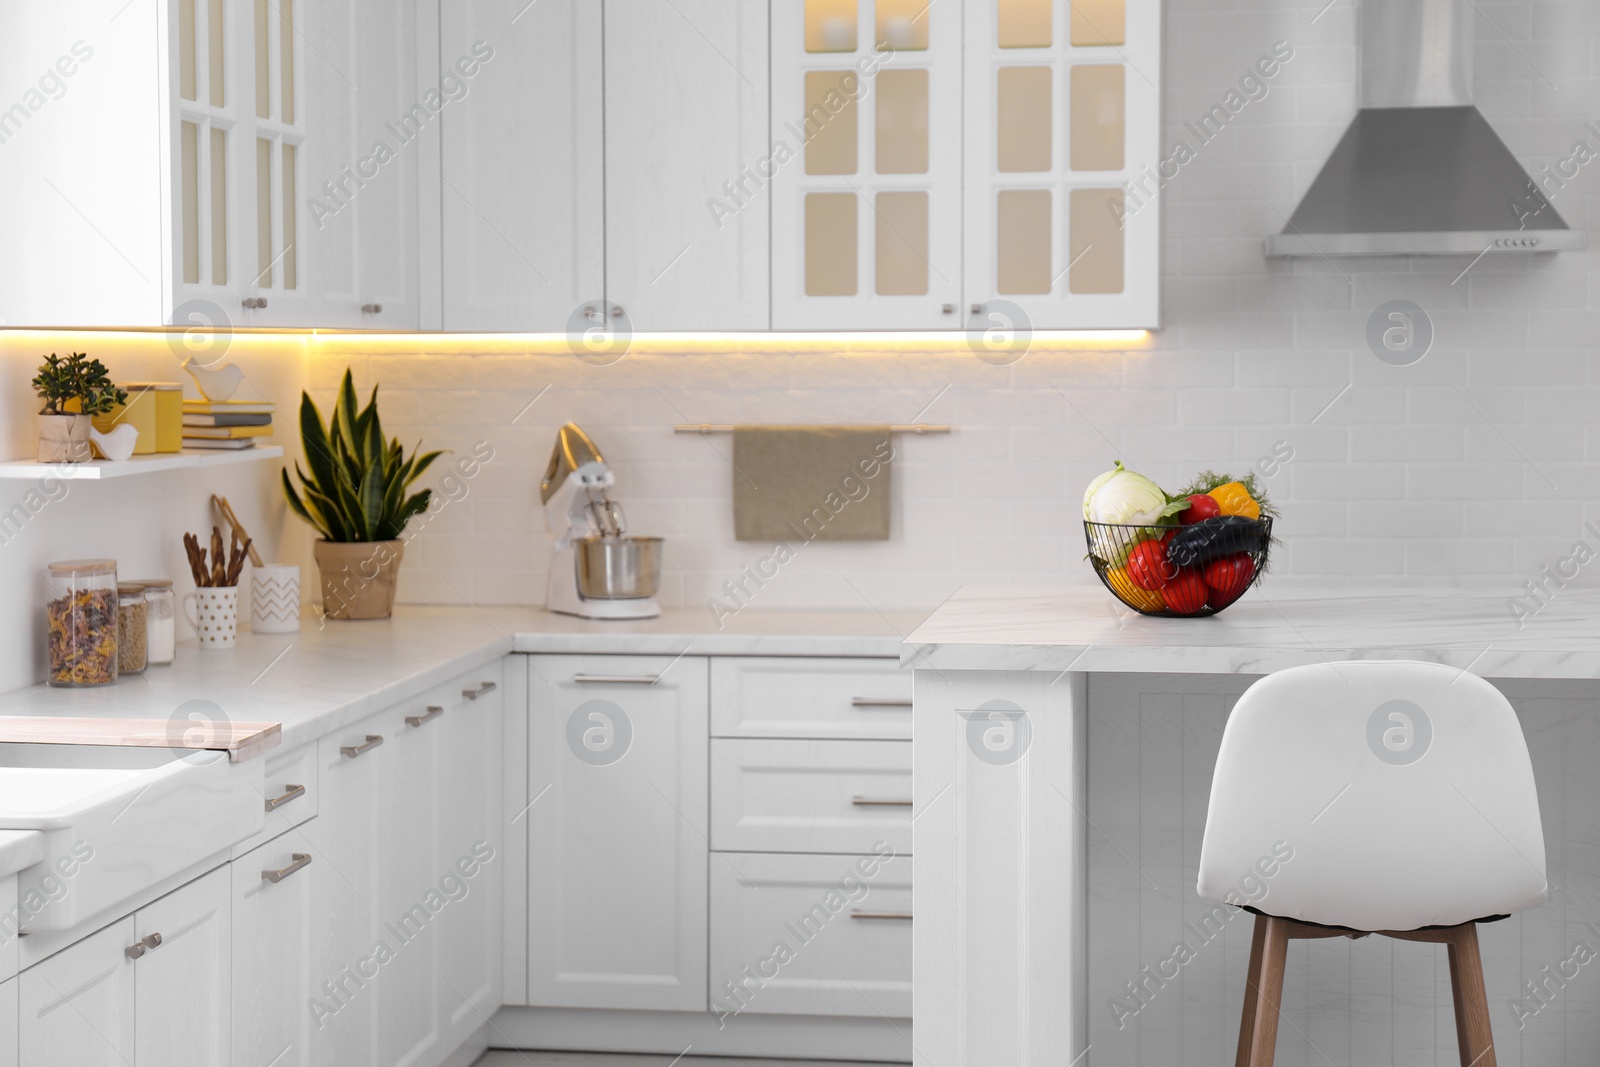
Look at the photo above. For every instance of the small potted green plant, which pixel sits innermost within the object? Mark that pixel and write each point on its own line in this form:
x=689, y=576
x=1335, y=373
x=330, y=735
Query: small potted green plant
x=357, y=496
x=74, y=390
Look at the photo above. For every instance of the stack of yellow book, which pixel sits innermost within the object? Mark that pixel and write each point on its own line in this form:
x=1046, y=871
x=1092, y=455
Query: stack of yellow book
x=225, y=423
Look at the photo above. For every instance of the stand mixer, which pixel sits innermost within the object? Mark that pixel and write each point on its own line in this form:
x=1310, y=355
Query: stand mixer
x=597, y=572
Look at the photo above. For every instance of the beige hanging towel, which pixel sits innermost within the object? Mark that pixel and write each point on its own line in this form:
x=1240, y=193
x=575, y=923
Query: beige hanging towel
x=811, y=483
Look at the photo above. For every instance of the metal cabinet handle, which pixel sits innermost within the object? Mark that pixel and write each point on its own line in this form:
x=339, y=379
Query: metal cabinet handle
x=371, y=309
x=301, y=859
x=977, y=308
x=948, y=309
x=903, y=916
x=881, y=802
x=254, y=302
x=141, y=946
x=434, y=711
x=483, y=687
x=616, y=312
x=291, y=791
x=617, y=679
x=879, y=702
x=352, y=751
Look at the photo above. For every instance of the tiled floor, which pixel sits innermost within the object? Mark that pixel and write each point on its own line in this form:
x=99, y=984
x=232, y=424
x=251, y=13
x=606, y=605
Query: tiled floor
x=591, y=1059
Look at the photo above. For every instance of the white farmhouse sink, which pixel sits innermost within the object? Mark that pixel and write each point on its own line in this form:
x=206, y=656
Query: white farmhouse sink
x=117, y=821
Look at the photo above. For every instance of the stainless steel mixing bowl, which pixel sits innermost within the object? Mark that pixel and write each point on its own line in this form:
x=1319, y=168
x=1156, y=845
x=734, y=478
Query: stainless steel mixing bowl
x=618, y=568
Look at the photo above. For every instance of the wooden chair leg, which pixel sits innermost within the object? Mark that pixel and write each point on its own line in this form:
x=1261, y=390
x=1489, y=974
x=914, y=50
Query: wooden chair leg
x=1263, y=993
x=1473, y=1032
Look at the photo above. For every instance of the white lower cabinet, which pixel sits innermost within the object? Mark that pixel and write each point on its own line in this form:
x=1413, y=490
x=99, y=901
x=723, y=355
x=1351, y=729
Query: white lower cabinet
x=811, y=935
x=403, y=914
x=77, y=1006
x=273, y=980
x=473, y=853
x=344, y=836
x=617, y=832
x=150, y=989
x=9, y=1039
x=810, y=796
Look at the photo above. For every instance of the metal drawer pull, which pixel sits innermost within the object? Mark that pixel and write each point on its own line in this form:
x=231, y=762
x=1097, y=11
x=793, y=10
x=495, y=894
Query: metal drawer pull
x=292, y=791
x=881, y=802
x=878, y=702
x=301, y=859
x=352, y=751
x=483, y=687
x=434, y=711
x=903, y=916
x=617, y=679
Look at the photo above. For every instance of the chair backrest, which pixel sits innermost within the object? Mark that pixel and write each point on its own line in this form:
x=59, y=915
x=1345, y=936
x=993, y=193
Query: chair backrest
x=1375, y=796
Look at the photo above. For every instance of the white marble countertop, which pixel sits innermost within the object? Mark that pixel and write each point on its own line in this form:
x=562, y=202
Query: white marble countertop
x=1085, y=629
x=326, y=677
x=19, y=849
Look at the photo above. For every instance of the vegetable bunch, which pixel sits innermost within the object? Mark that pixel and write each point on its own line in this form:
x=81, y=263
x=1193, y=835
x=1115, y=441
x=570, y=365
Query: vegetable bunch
x=1185, y=551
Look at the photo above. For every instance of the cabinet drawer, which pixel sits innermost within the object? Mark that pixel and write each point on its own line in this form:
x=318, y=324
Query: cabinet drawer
x=794, y=697
x=289, y=795
x=844, y=921
x=810, y=796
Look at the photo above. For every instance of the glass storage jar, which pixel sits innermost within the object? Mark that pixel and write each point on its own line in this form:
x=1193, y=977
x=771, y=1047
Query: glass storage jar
x=161, y=621
x=81, y=619
x=131, y=628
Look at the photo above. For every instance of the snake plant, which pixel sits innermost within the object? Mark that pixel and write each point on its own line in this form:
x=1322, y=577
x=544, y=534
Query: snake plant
x=358, y=486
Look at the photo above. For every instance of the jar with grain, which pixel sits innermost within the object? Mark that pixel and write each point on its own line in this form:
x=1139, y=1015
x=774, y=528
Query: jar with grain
x=81, y=622
x=131, y=628
x=161, y=621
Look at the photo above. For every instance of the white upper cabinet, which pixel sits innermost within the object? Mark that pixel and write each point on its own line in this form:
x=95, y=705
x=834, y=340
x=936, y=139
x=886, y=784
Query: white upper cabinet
x=1063, y=109
x=866, y=155
x=82, y=169
x=522, y=188
x=366, y=117
x=687, y=164
x=211, y=162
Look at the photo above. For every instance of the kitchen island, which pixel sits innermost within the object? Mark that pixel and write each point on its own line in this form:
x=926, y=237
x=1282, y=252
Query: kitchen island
x=1064, y=747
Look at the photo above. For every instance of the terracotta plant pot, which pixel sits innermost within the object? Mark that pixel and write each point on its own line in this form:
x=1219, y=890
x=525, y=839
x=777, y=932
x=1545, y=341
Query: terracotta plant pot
x=64, y=438
x=358, y=577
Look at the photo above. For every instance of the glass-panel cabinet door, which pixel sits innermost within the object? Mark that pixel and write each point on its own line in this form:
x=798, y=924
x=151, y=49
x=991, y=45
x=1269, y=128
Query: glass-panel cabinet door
x=272, y=284
x=208, y=250
x=865, y=164
x=1062, y=155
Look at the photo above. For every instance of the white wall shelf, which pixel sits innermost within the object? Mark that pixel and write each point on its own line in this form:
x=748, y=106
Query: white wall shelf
x=28, y=469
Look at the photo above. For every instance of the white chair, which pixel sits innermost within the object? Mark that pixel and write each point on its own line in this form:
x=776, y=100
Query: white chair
x=1372, y=797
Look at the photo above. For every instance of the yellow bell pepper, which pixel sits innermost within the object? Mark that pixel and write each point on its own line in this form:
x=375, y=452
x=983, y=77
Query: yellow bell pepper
x=1131, y=594
x=1234, y=499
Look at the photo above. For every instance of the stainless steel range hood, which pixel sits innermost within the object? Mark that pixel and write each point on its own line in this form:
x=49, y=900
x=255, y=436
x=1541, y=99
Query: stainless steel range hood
x=1420, y=171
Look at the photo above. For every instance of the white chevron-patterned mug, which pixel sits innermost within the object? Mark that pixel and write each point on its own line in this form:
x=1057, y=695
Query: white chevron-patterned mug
x=275, y=598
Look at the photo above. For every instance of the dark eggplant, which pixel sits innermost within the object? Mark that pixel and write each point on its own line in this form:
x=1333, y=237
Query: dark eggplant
x=1213, y=538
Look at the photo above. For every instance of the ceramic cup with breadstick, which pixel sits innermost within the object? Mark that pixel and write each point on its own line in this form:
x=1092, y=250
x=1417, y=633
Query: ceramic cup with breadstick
x=274, y=587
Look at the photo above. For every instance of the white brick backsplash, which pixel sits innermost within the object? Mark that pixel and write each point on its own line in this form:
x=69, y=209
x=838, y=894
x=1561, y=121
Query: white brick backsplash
x=1407, y=479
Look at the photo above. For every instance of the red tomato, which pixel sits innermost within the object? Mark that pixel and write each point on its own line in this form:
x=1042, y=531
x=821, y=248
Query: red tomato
x=1200, y=507
x=1228, y=578
x=1148, y=566
x=1185, y=592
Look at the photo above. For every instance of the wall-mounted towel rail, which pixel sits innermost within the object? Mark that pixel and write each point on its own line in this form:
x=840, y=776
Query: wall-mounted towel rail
x=706, y=427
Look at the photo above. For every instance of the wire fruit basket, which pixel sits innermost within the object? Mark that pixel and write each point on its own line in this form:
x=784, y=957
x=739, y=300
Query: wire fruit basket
x=1180, y=571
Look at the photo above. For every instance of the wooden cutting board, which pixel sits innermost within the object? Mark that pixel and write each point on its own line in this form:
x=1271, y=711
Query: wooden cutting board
x=240, y=740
